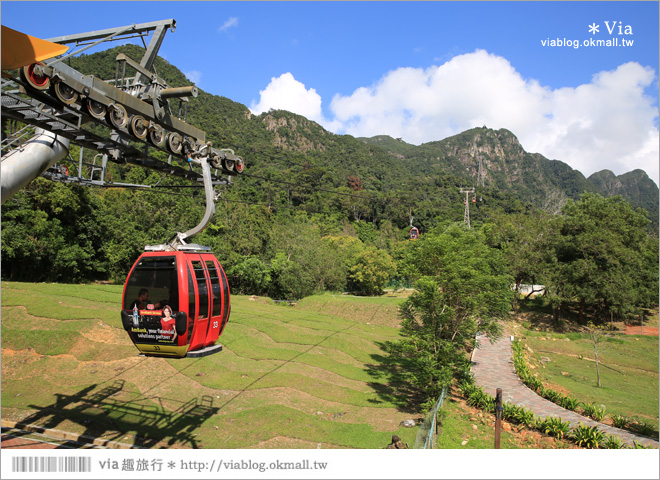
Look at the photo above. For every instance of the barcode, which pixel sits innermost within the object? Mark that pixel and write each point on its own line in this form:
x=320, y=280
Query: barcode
x=51, y=464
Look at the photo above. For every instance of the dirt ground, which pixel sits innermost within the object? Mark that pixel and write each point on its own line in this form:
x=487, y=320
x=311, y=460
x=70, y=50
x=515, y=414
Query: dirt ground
x=638, y=330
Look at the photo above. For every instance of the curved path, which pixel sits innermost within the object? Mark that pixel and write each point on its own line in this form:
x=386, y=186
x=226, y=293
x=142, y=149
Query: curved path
x=492, y=368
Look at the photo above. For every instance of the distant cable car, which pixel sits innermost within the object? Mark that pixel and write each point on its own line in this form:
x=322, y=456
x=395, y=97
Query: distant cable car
x=176, y=303
x=474, y=199
x=413, y=234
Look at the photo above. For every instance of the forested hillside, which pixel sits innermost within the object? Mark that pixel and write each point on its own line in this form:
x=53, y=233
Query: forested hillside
x=508, y=167
x=314, y=210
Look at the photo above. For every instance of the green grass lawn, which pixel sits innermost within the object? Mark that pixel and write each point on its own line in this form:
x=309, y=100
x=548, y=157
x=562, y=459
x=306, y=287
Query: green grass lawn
x=288, y=377
x=628, y=369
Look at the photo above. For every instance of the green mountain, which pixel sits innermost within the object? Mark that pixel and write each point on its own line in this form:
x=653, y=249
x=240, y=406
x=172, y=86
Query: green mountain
x=306, y=199
x=290, y=148
x=508, y=167
x=635, y=186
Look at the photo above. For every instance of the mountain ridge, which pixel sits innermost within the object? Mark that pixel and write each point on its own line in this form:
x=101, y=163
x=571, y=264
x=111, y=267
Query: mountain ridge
x=382, y=163
x=508, y=166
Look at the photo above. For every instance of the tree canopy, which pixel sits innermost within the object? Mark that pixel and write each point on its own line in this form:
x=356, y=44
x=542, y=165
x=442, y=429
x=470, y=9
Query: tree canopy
x=464, y=288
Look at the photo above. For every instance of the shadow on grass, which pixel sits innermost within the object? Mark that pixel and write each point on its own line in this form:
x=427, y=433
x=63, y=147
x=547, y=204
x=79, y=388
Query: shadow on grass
x=112, y=420
x=395, y=389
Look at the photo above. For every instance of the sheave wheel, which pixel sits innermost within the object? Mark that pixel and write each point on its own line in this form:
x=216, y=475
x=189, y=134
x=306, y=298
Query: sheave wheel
x=188, y=145
x=139, y=127
x=174, y=143
x=65, y=93
x=157, y=135
x=95, y=109
x=35, y=80
x=117, y=116
x=229, y=164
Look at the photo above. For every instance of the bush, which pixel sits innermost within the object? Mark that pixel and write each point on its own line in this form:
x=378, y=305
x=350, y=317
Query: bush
x=478, y=398
x=597, y=412
x=554, y=426
x=519, y=415
x=569, y=403
x=290, y=280
x=619, y=421
x=250, y=276
x=642, y=427
x=638, y=445
x=613, y=442
x=587, y=437
x=371, y=271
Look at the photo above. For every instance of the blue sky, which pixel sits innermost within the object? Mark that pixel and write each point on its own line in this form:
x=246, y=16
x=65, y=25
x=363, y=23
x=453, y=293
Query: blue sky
x=421, y=71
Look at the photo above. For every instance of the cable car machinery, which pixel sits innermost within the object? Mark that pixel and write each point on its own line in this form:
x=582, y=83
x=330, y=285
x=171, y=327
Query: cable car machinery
x=56, y=98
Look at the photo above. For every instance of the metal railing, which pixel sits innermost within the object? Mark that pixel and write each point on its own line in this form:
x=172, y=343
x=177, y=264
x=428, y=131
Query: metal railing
x=426, y=435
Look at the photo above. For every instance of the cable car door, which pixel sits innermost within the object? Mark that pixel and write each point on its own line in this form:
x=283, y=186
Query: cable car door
x=200, y=281
x=219, y=298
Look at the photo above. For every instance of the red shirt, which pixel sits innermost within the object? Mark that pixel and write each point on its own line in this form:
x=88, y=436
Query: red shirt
x=168, y=327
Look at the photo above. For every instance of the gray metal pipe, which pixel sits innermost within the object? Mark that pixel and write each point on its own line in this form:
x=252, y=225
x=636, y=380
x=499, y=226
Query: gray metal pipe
x=179, y=92
x=19, y=167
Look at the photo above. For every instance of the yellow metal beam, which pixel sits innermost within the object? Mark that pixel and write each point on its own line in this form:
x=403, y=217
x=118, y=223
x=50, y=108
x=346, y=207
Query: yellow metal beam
x=19, y=49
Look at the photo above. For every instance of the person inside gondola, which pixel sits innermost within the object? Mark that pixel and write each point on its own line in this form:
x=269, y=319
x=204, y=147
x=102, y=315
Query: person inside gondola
x=142, y=302
x=142, y=299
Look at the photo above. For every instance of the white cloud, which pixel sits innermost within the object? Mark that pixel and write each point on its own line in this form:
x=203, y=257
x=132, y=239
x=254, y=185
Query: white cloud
x=287, y=93
x=194, y=76
x=231, y=22
x=606, y=124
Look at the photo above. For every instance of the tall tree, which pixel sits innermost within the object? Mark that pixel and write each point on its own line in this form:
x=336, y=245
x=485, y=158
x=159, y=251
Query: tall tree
x=527, y=243
x=603, y=255
x=465, y=289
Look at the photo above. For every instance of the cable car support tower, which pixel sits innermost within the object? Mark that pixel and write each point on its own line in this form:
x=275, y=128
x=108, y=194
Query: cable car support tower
x=466, y=215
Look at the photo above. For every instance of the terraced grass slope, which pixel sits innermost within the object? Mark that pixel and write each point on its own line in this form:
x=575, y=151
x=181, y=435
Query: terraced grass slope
x=288, y=377
x=628, y=369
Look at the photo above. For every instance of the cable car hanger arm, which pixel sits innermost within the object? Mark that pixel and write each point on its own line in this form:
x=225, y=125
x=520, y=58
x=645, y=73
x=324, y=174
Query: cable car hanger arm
x=179, y=239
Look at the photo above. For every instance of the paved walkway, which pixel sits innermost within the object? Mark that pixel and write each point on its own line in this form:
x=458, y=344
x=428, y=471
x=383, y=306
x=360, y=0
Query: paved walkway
x=492, y=367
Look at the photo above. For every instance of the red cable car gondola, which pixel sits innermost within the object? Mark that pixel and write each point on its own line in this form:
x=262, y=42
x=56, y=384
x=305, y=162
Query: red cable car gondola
x=413, y=234
x=193, y=285
x=176, y=296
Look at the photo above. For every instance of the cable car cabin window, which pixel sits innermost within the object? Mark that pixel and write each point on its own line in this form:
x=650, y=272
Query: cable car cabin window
x=191, y=304
x=216, y=287
x=202, y=289
x=158, y=276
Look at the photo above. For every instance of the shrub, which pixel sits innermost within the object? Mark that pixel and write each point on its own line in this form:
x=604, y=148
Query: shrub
x=569, y=403
x=619, y=421
x=250, y=277
x=519, y=415
x=554, y=426
x=587, y=437
x=612, y=442
x=535, y=384
x=638, y=445
x=597, y=412
x=371, y=271
x=550, y=394
x=509, y=412
x=467, y=386
x=478, y=398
